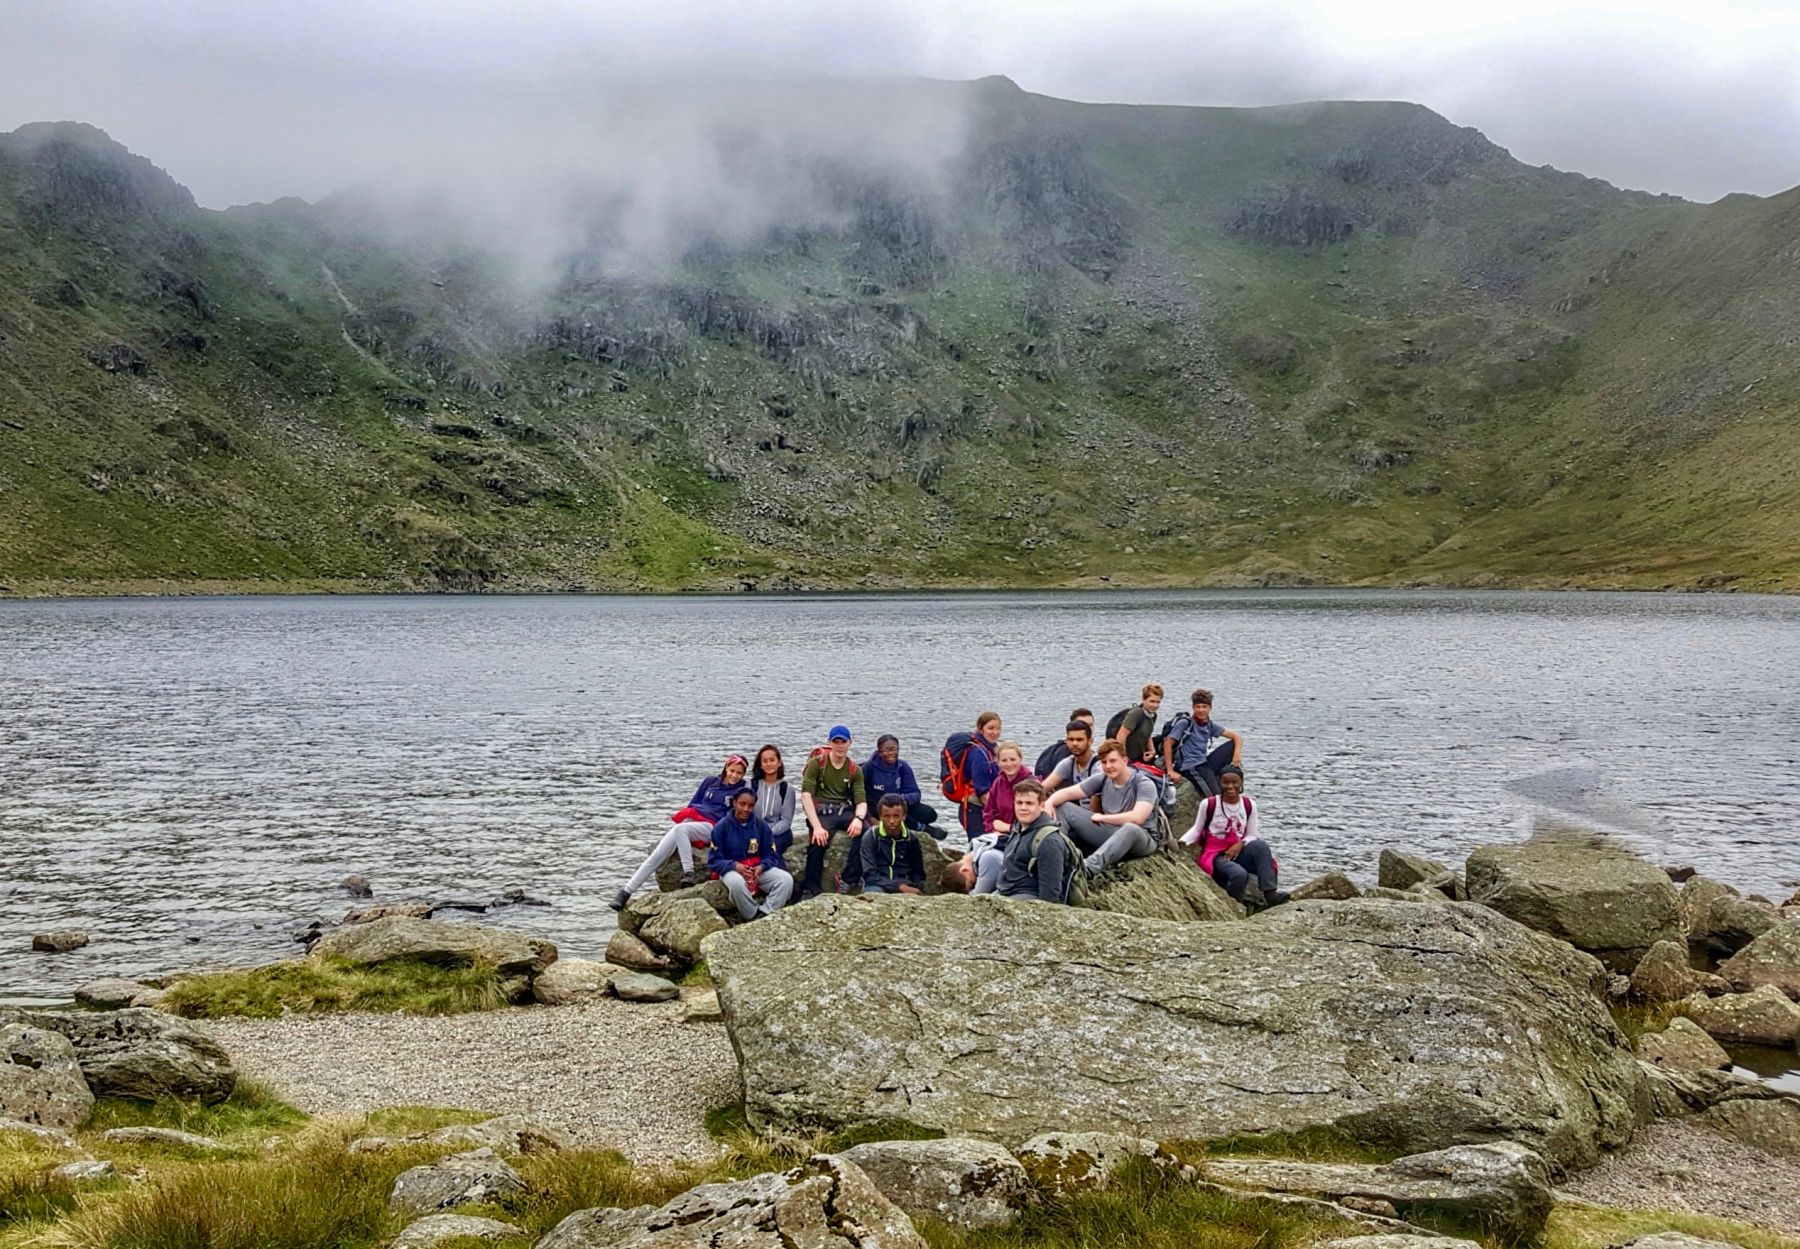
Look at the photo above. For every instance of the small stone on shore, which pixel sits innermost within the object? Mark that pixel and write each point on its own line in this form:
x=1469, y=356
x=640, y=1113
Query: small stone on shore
x=640, y=987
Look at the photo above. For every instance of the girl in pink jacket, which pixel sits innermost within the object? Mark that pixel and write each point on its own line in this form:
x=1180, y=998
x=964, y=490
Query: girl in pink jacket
x=1230, y=849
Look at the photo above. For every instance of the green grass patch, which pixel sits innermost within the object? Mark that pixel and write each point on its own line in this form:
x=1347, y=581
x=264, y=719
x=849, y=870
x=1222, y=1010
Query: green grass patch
x=1637, y=1018
x=395, y=1121
x=315, y=1197
x=1148, y=1209
x=331, y=986
x=697, y=977
x=28, y=1192
x=252, y=1109
x=1575, y=1227
x=723, y=1123
x=880, y=1130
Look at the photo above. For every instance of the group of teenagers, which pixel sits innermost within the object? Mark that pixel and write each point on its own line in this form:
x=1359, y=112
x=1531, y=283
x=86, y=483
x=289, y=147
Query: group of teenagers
x=1088, y=802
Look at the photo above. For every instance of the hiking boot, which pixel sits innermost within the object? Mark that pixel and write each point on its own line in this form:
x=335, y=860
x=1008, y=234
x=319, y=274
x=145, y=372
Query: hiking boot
x=621, y=899
x=935, y=833
x=687, y=880
x=1276, y=898
x=808, y=892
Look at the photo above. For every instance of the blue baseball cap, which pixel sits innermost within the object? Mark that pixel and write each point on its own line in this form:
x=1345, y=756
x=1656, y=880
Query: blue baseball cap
x=838, y=734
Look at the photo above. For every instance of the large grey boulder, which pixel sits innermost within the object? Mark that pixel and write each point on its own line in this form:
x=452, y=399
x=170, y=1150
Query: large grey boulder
x=1399, y=870
x=1331, y=887
x=1164, y=886
x=678, y=929
x=825, y=1203
x=1771, y=959
x=1595, y=896
x=144, y=1054
x=1502, y=1187
x=40, y=1077
x=1770, y=1124
x=958, y=1180
x=1721, y=921
x=647, y=904
x=436, y=941
x=1764, y=1016
x=461, y=1179
x=1664, y=975
x=1682, y=1046
x=442, y=1229
x=1412, y=1027
x=571, y=980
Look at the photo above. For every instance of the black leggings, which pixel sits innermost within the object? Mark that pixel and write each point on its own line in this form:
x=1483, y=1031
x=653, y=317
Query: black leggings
x=834, y=817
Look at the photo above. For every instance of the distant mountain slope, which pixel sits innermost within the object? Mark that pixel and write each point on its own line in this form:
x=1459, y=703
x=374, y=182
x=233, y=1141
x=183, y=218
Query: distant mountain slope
x=1333, y=343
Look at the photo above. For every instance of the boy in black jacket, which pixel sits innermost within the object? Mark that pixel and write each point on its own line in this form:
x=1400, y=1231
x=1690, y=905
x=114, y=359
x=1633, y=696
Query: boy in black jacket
x=891, y=859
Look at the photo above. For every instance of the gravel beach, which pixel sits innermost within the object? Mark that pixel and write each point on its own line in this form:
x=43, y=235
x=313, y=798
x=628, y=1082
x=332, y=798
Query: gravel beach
x=1675, y=1165
x=628, y=1077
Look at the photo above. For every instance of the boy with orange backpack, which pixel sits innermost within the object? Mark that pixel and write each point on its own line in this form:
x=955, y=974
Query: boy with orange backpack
x=834, y=799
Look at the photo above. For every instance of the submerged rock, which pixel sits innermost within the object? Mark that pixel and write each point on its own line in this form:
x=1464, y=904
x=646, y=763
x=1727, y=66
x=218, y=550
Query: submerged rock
x=1597, y=897
x=108, y=992
x=40, y=1078
x=1406, y=1026
x=58, y=942
x=825, y=1203
x=387, y=910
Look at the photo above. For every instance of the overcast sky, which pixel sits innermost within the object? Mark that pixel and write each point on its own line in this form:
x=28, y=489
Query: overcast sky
x=244, y=100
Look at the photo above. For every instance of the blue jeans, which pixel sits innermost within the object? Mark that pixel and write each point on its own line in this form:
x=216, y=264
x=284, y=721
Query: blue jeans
x=1205, y=776
x=1253, y=859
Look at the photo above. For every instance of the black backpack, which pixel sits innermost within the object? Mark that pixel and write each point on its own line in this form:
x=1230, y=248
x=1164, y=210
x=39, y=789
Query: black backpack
x=1181, y=720
x=1116, y=723
x=1052, y=755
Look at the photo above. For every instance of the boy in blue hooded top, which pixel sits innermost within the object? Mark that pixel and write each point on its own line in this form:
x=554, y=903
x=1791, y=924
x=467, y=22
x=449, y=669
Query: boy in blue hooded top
x=892, y=861
x=745, y=858
x=887, y=773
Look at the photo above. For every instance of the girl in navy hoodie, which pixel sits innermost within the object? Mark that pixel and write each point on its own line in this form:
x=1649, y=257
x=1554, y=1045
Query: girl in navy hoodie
x=693, y=827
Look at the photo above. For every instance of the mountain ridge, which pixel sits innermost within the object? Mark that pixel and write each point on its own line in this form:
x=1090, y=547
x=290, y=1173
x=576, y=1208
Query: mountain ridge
x=1333, y=343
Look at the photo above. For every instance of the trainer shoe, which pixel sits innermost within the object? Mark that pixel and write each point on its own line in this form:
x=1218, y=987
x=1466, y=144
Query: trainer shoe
x=687, y=880
x=621, y=899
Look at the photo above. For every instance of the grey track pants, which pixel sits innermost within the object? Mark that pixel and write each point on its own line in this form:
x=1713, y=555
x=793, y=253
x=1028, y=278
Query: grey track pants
x=1107, y=844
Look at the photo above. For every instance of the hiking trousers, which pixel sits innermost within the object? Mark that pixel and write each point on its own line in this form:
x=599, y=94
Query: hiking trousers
x=834, y=818
x=1205, y=777
x=683, y=839
x=1253, y=860
x=777, y=887
x=1107, y=843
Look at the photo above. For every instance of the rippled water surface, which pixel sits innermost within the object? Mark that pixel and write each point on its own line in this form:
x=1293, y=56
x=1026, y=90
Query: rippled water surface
x=184, y=778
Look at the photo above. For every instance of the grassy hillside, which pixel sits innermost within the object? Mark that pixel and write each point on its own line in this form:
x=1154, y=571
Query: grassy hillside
x=1333, y=343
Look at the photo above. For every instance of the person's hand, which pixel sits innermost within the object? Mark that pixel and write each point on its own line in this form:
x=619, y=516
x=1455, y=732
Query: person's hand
x=909, y=889
x=819, y=836
x=1231, y=851
x=1175, y=776
x=1000, y=826
x=856, y=827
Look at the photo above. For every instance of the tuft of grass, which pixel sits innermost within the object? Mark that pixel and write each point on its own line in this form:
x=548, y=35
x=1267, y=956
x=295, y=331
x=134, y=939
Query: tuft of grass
x=28, y=1191
x=724, y=1123
x=1637, y=1018
x=332, y=986
x=1147, y=1208
x=697, y=976
x=252, y=1109
x=312, y=1198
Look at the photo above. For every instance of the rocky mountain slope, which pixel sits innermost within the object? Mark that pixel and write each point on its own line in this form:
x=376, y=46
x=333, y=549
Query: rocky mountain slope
x=1330, y=343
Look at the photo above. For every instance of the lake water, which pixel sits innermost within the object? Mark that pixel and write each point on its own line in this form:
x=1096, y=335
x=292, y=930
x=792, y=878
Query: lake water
x=184, y=778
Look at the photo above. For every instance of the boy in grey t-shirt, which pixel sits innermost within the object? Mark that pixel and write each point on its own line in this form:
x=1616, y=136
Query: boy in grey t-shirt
x=1121, y=828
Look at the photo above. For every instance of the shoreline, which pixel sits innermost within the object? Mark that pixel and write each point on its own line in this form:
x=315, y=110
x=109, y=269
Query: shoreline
x=154, y=588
